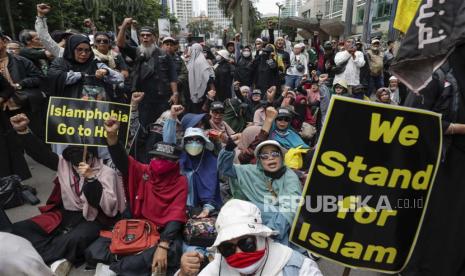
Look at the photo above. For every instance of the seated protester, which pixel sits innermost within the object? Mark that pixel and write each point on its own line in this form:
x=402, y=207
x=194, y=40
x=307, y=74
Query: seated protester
x=217, y=123
x=103, y=53
x=304, y=113
x=78, y=74
x=20, y=258
x=254, y=135
x=250, y=99
x=383, y=95
x=319, y=95
x=244, y=246
x=340, y=88
x=156, y=192
x=359, y=92
x=259, y=116
x=263, y=183
x=398, y=94
x=282, y=132
x=87, y=197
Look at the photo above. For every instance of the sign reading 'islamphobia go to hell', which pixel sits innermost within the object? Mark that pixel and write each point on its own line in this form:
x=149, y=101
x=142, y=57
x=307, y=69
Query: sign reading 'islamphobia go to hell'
x=81, y=122
x=377, y=163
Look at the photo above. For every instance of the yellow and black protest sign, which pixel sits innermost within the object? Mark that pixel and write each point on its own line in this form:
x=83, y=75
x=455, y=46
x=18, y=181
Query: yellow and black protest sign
x=369, y=184
x=80, y=122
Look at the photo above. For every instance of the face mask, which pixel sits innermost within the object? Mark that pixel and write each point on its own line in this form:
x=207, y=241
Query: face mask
x=218, y=58
x=162, y=166
x=246, y=262
x=194, y=148
x=246, y=54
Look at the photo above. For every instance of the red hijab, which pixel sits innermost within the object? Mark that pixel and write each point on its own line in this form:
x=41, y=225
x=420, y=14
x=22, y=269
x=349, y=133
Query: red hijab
x=158, y=198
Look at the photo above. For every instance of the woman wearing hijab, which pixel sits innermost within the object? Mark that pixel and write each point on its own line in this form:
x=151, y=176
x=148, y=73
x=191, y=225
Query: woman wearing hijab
x=263, y=183
x=201, y=78
x=78, y=74
x=224, y=75
x=244, y=67
x=157, y=192
x=304, y=112
x=218, y=124
x=383, y=95
x=266, y=69
x=87, y=197
x=282, y=132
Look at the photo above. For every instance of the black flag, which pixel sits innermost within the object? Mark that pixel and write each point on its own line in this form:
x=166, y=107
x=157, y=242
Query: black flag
x=438, y=27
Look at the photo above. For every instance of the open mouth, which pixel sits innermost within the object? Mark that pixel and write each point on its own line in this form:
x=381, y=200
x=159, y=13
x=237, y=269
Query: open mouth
x=273, y=165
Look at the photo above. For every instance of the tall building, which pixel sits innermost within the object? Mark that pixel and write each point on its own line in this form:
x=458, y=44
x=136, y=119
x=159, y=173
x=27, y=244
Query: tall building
x=336, y=9
x=291, y=8
x=183, y=11
x=216, y=15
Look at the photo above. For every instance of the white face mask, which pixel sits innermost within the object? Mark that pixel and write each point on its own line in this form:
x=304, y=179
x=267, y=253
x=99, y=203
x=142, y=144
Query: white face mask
x=194, y=148
x=246, y=54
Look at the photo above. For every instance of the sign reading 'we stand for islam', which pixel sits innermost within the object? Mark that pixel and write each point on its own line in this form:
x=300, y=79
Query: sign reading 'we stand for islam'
x=369, y=184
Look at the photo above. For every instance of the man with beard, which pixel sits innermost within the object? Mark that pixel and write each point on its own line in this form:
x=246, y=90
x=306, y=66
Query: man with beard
x=154, y=73
x=375, y=60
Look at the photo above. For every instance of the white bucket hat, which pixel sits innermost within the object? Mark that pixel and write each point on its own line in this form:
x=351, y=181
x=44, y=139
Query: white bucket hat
x=223, y=53
x=239, y=218
x=197, y=132
x=272, y=143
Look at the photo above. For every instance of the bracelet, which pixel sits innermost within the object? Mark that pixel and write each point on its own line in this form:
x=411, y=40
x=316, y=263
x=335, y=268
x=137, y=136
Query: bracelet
x=164, y=247
x=22, y=132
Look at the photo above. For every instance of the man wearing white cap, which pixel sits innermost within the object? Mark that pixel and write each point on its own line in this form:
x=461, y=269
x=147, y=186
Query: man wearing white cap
x=298, y=70
x=244, y=247
x=375, y=61
x=394, y=88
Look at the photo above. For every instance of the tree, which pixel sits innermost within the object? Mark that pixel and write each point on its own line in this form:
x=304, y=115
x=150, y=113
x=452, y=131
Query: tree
x=68, y=14
x=200, y=25
x=233, y=9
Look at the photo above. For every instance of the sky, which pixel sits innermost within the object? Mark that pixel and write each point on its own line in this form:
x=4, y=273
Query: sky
x=264, y=6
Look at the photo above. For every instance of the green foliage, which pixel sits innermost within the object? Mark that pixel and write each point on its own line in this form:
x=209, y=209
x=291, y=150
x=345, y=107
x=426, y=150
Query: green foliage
x=200, y=26
x=67, y=14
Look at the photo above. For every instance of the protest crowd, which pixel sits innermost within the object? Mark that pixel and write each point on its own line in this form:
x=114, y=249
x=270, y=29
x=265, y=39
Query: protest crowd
x=217, y=136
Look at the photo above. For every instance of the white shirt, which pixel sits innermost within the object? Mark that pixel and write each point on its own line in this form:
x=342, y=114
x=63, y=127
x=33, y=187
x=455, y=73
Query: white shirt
x=296, y=60
x=352, y=71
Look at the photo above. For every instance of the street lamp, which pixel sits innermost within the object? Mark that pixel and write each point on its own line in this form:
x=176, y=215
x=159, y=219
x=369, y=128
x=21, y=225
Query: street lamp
x=280, y=7
x=319, y=16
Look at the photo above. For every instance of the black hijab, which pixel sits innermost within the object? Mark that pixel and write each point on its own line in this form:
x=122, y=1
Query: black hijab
x=68, y=54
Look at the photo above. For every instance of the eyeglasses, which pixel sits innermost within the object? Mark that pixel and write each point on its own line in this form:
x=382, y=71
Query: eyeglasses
x=267, y=155
x=283, y=119
x=83, y=50
x=246, y=244
x=102, y=41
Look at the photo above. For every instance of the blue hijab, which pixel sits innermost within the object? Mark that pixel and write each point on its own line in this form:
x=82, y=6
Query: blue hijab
x=288, y=138
x=204, y=178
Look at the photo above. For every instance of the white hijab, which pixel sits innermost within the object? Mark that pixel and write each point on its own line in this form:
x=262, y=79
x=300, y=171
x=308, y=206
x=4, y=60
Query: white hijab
x=199, y=73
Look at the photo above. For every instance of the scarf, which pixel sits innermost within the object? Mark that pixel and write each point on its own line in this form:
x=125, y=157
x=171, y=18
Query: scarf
x=222, y=127
x=288, y=138
x=199, y=73
x=109, y=57
x=204, y=178
x=158, y=198
x=112, y=200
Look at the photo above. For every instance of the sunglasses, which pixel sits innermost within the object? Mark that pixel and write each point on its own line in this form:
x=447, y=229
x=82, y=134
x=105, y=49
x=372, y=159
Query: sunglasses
x=246, y=244
x=193, y=139
x=83, y=50
x=267, y=155
x=102, y=41
x=283, y=119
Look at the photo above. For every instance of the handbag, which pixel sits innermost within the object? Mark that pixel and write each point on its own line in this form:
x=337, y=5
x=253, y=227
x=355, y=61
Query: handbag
x=200, y=231
x=131, y=236
x=339, y=69
x=10, y=192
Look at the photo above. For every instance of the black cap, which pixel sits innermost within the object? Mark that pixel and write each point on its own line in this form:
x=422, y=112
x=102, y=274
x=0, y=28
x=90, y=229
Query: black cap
x=268, y=49
x=284, y=112
x=166, y=150
x=147, y=29
x=216, y=106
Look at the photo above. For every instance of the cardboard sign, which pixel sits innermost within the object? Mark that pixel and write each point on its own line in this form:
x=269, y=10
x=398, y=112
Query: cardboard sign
x=80, y=122
x=369, y=184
